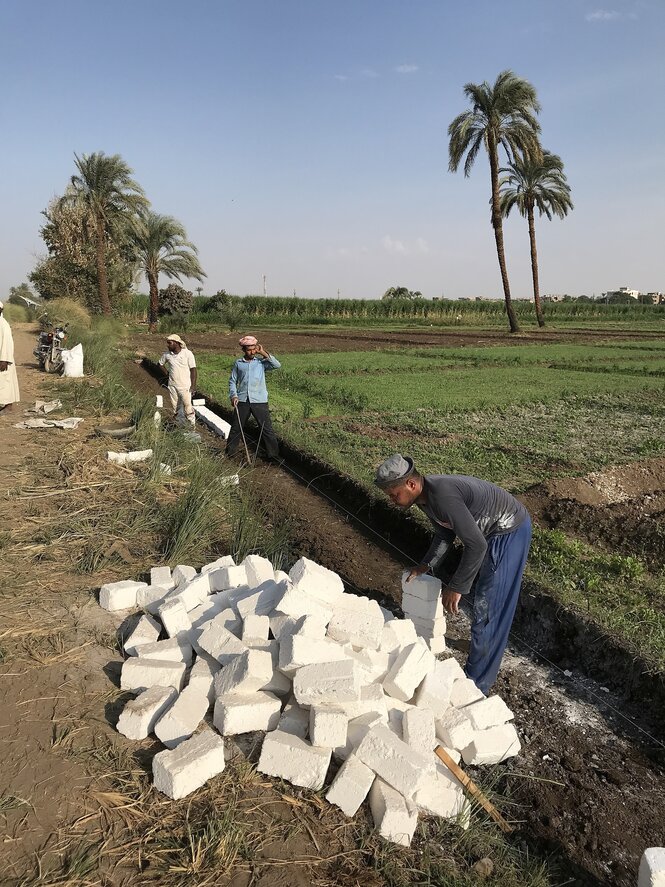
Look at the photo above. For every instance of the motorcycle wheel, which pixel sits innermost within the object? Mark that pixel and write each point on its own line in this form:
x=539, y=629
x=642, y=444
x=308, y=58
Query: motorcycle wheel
x=51, y=366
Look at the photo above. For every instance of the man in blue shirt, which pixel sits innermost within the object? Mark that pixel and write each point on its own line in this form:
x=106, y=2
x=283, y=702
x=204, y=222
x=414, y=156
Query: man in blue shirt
x=249, y=395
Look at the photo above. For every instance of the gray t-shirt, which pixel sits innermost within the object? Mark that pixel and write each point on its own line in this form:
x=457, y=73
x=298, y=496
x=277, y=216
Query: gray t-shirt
x=471, y=510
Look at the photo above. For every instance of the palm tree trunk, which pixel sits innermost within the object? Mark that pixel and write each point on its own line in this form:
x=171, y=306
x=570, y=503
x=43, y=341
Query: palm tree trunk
x=102, y=279
x=534, y=267
x=497, y=224
x=154, y=301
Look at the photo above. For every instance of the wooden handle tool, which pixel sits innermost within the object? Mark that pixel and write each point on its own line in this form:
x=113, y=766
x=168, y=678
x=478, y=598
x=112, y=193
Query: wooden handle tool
x=472, y=789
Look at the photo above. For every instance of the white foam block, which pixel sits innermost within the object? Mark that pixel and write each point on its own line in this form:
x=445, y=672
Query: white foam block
x=174, y=618
x=183, y=573
x=247, y=673
x=419, y=731
x=227, y=577
x=286, y=756
x=202, y=676
x=207, y=611
x=174, y=649
x=141, y=674
x=490, y=712
x=179, y=772
x=426, y=588
x=193, y=593
x=161, y=576
x=415, y=608
x=430, y=628
x=219, y=642
x=356, y=731
x=327, y=682
x=294, y=720
x=146, y=631
x=397, y=634
x=434, y=692
x=255, y=628
x=408, y=671
x=455, y=729
x=464, y=692
x=258, y=569
x=261, y=601
x=235, y=714
x=296, y=602
x=151, y=597
x=652, y=868
x=441, y=795
x=316, y=580
x=327, y=726
x=182, y=718
x=393, y=760
x=394, y=817
x=351, y=786
x=120, y=595
x=492, y=746
x=139, y=716
x=297, y=650
x=225, y=561
x=360, y=626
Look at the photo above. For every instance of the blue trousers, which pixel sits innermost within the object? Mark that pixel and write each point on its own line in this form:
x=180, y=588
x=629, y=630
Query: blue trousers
x=497, y=590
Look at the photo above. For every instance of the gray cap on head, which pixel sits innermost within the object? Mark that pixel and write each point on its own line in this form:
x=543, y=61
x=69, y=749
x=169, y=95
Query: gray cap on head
x=395, y=470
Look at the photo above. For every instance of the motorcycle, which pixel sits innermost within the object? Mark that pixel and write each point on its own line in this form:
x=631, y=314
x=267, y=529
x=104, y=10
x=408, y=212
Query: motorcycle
x=49, y=347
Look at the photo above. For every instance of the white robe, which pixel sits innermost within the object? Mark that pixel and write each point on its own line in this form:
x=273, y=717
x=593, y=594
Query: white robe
x=8, y=379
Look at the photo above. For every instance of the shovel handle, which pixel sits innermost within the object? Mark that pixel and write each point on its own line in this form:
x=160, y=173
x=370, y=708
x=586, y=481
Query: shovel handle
x=472, y=789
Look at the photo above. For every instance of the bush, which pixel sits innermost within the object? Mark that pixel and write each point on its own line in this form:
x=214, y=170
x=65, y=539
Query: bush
x=175, y=301
x=61, y=311
x=16, y=313
x=219, y=302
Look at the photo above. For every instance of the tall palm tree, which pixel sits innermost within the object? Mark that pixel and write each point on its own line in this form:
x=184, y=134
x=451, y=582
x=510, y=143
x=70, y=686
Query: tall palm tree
x=535, y=183
x=500, y=115
x=162, y=248
x=104, y=185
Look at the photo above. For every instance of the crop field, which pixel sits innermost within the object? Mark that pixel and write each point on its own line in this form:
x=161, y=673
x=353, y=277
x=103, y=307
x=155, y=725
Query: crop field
x=517, y=415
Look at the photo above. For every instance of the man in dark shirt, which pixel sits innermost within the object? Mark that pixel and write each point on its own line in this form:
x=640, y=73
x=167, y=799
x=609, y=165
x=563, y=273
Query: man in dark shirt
x=495, y=530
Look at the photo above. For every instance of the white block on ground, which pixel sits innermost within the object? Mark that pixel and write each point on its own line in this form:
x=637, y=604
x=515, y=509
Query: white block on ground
x=441, y=795
x=183, y=573
x=235, y=714
x=258, y=570
x=430, y=628
x=464, y=692
x=397, y=634
x=162, y=576
x=193, y=593
x=227, y=577
x=151, y=598
x=279, y=684
x=394, y=817
x=261, y=601
x=174, y=618
x=247, y=673
x=289, y=757
x=281, y=576
x=174, y=649
x=141, y=674
x=419, y=731
x=296, y=602
x=179, y=772
x=393, y=760
x=182, y=718
x=357, y=729
x=219, y=642
x=207, y=611
x=139, y=716
x=373, y=664
x=489, y=712
x=225, y=561
x=652, y=868
x=416, y=608
x=351, y=786
x=313, y=579
x=413, y=663
x=120, y=595
x=434, y=692
x=310, y=627
x=437, y=645
x=146, y=631
x=255, y=628
x=372, y=700
x=427, y=588
x=281, y=624
x=202, y=676
x=297, y=650
x=327, y=682
x=327, y=726
x=294, y=720
x=492, y=746
x=455, y=729
x=360, y=626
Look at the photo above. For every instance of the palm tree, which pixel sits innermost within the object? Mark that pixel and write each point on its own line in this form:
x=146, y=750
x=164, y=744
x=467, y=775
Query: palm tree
x=162, y=248
x=500, y=115
x=530, y=184
x=104, y=185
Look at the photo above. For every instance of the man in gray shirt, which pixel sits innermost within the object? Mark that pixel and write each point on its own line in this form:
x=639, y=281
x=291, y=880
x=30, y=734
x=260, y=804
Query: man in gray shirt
x=495, y=530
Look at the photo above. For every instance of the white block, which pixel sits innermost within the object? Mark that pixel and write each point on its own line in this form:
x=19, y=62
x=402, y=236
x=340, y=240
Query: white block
x=235, y=714
x=490, y=712
x=120, y=595
x=179, y=772
x=219, y=642
x=394, y=817
x=315, y=580
x=174, y=618
x=193, y=593
x=434, y=692
x=373, y=664
x=247, y=673
x=288, y=757
x=159, y=401
x=441, y=795
x=202, y=676
x=296, y=603
x=652, y=868
x=297, y=650
x=492, y=746
x=174, y=649
x=455, y=728
x=207, y=611
x=161, y=576
x=279, y=684
x=372, y=700
x=281, y=624
x=141, y=674
x=151, y=597
x=351, y=786
x=415, y=608
x=182, y=718
x=427, y=588
x=419, y=731
x=256, y=628
x=145, y=631
x=227, y=577
x=139, y=716
x=393, y=760
x=281, y=576
x=397, y=634
x=408, y=671
x=226, y=561
x=356, y=731
x=327, y=726
x=258, y=569
x=294, y=720
x=262, y=600
x=464, y=692
x=327, y=682
x=360, y=626
x=430, y=628
x=183, y=573
x=437, y=645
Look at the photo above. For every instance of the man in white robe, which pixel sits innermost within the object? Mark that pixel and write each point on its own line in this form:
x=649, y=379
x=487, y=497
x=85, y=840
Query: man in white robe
x=9, y=393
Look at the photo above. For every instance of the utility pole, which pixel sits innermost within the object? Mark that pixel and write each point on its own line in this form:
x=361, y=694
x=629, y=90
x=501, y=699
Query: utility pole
x=294, y=292
x=338, y=294
x=265, y=288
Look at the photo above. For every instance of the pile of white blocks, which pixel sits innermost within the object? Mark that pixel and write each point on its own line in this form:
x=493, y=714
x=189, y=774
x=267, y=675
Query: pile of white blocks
x=421, y=603
x=239, y=648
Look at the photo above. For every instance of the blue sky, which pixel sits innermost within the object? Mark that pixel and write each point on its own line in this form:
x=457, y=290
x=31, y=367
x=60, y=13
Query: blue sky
x=307, y=140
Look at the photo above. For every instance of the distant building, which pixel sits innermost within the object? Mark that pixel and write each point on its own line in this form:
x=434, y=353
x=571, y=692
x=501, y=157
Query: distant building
x=553, y=297
x=654, y=298
x=622, y=291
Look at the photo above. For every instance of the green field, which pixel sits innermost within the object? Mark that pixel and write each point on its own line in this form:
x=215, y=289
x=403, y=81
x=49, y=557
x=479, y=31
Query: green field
x=513, y=414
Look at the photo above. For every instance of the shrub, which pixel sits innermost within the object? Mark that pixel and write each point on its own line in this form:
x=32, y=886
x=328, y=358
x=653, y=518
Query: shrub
x=60, y=311
x=219, y=302
x=15, y=313
x=175, y=301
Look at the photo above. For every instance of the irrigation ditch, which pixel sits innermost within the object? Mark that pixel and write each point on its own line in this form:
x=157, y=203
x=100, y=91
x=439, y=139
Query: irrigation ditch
x=589, y=786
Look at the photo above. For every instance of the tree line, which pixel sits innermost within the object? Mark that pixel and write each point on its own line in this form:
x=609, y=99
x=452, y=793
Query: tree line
x=102, y=234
